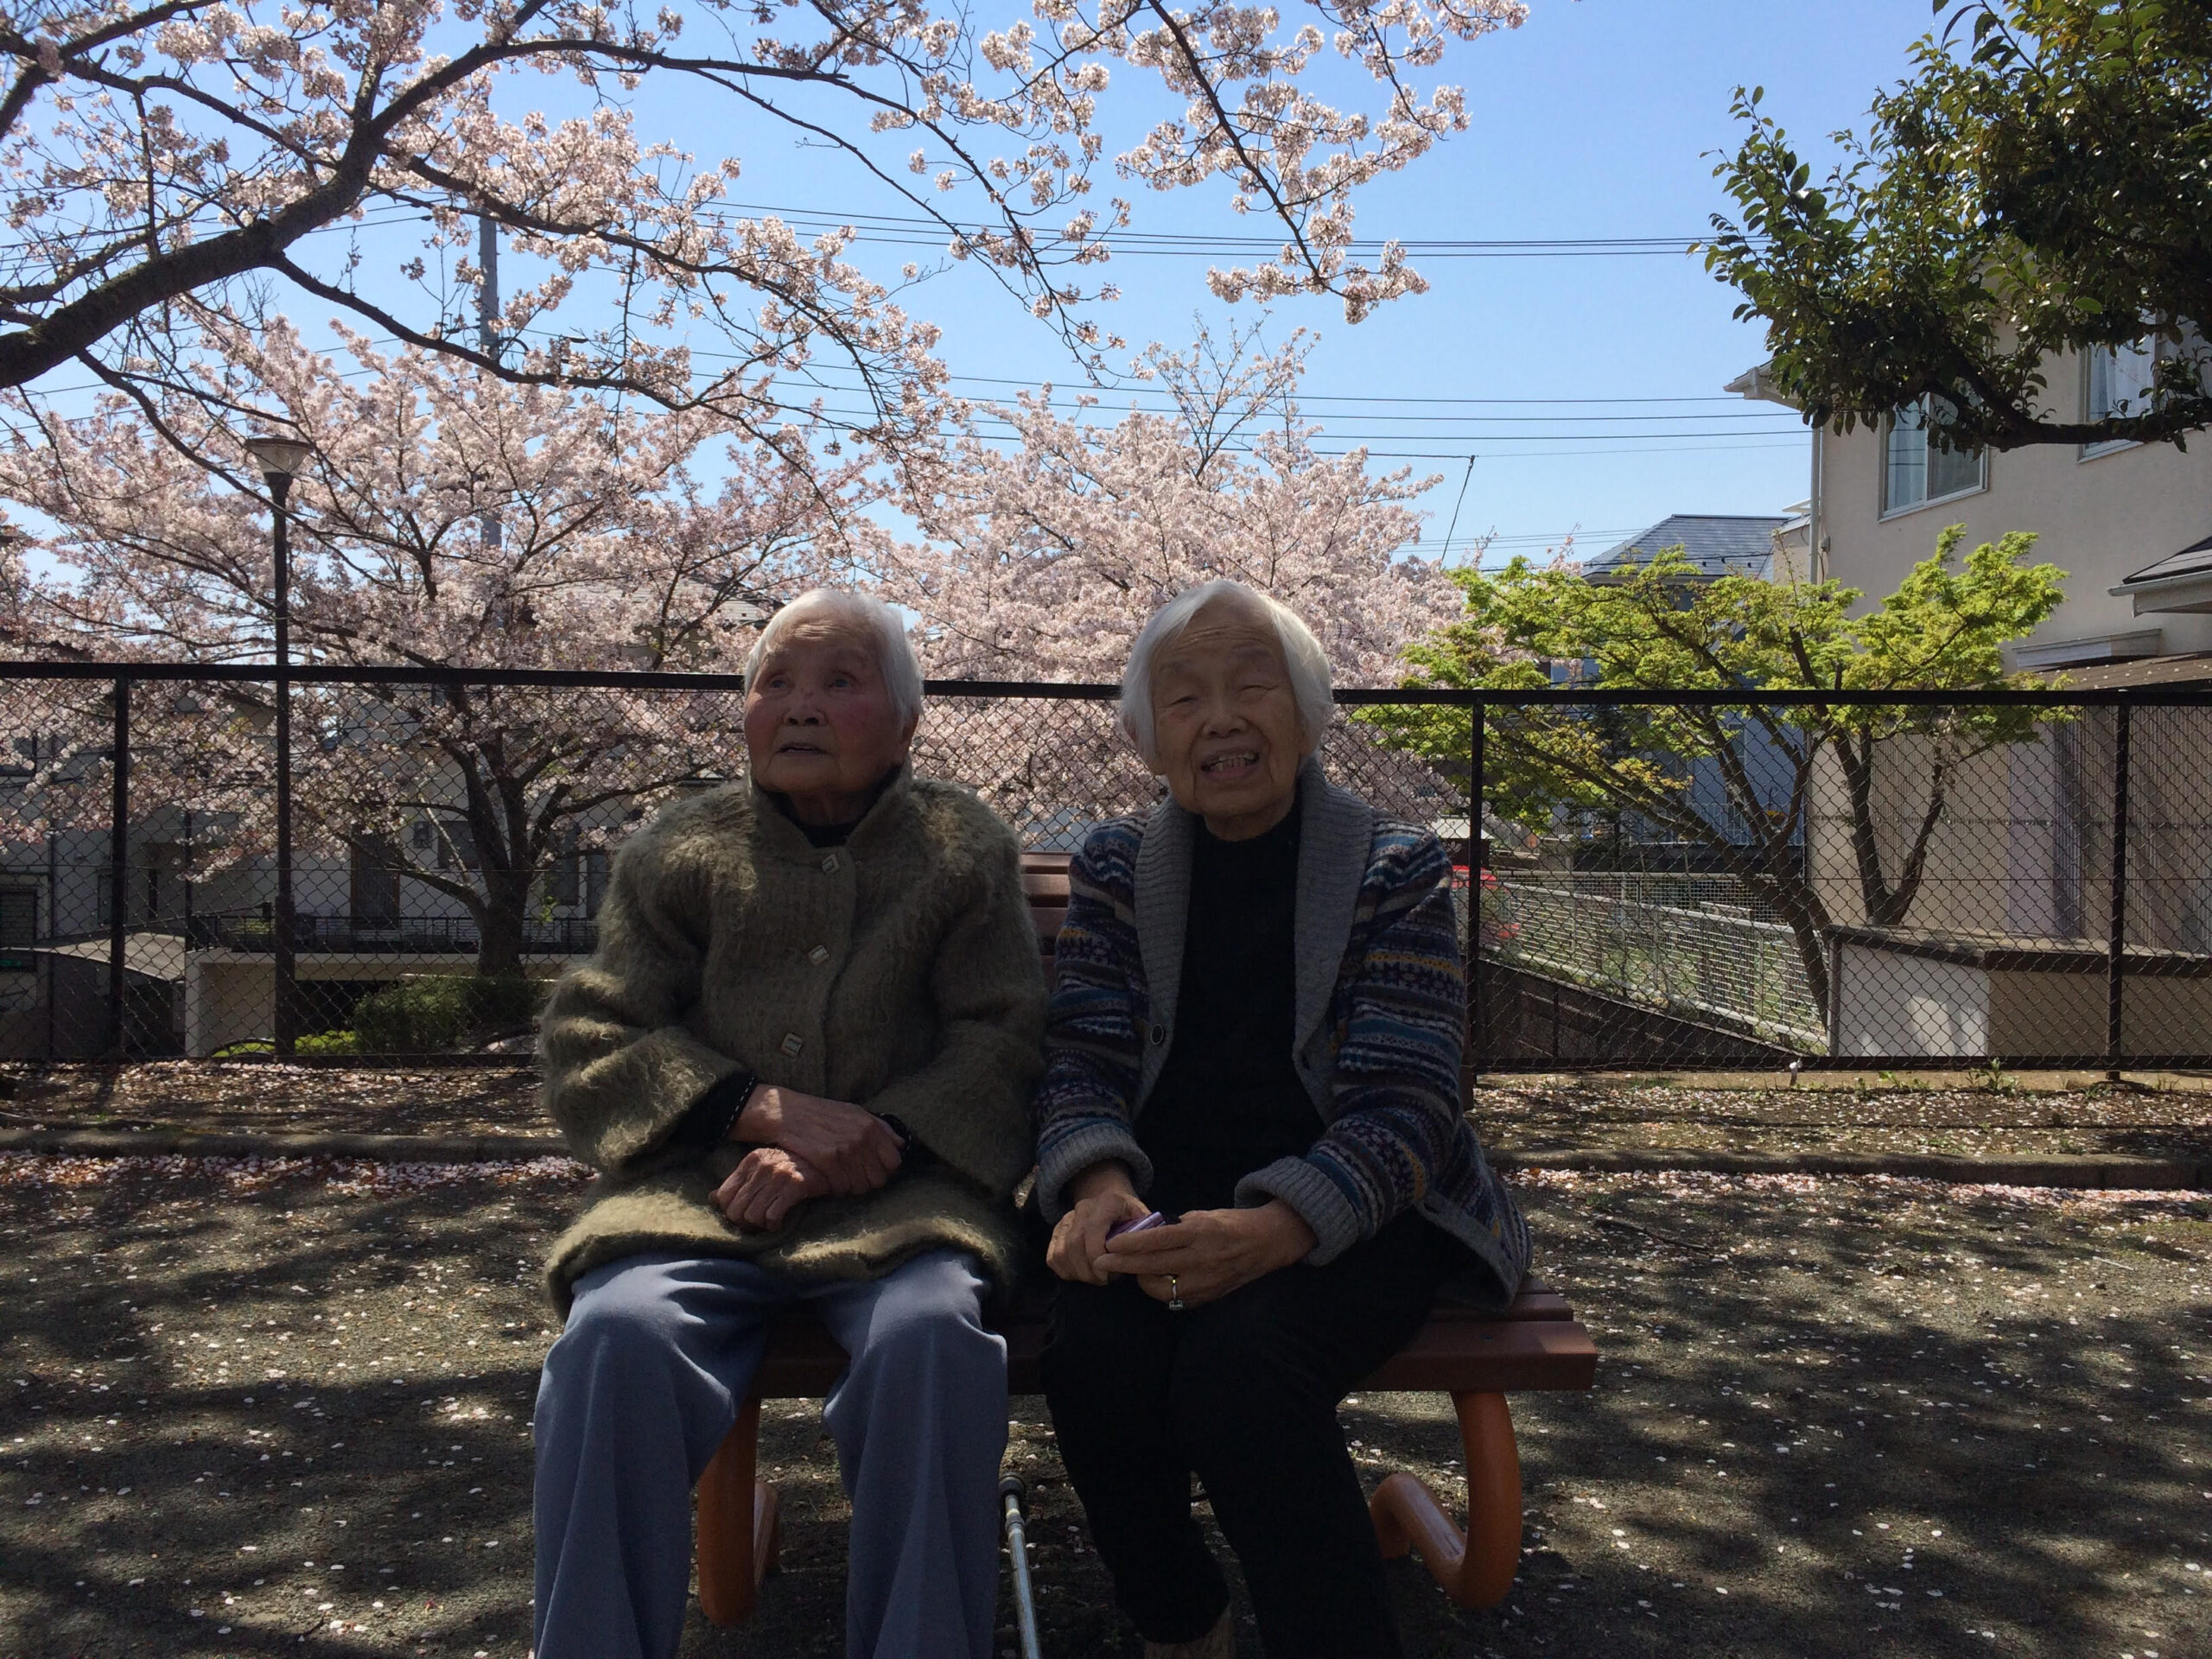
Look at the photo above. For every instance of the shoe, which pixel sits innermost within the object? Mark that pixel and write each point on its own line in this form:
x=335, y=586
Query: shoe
x=1219, y=1642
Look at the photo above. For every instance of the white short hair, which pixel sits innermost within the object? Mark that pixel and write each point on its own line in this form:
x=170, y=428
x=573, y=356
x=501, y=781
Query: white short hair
x=1301, y=653
x=895, y=652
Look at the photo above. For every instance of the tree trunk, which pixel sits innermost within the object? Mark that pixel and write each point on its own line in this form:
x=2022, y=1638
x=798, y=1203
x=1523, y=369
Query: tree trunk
x=1886, y=905
x=499, y=922
x=1809, y=925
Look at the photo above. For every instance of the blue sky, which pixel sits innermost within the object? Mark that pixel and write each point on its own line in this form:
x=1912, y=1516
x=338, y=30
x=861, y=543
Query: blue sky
x=1587, y=388
x=1593, y=120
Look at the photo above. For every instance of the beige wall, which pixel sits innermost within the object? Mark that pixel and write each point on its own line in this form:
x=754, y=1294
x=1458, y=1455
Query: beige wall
x=2099, y=520
x=2024, y=848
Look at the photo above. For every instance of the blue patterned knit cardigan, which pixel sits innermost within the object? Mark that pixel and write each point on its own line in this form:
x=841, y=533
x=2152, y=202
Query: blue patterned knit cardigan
x=1381, y=1024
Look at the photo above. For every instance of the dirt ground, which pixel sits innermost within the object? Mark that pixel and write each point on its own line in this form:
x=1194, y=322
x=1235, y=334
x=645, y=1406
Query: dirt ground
x=260, y=1095
x=284, y=1407
x=1966, y=1114
x=1969, y=1115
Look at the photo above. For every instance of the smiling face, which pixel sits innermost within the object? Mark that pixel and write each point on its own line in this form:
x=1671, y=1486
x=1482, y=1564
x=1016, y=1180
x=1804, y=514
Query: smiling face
x=1225, y=720
x=822, y=727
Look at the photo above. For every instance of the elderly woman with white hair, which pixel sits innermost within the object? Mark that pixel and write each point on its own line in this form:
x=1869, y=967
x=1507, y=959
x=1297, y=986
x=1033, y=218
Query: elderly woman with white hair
x=1250, y=1143
x=800, y=1059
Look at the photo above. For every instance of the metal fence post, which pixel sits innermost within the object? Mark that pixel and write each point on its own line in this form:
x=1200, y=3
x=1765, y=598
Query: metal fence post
x=283, y=963
x=1477, y=1009
x=2116, y=941
x=118, y=859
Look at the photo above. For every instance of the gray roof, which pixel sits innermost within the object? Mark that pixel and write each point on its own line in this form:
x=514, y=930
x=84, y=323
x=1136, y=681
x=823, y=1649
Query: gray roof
x=2194, y=560
x=149, y=955
x=1717, y=543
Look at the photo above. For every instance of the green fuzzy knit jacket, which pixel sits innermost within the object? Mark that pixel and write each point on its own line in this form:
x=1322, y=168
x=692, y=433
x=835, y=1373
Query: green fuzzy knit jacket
x=899, y=971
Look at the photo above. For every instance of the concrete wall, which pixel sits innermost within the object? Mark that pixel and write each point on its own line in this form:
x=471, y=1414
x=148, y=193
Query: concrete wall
x=2024, y=849
x=1891, y=1004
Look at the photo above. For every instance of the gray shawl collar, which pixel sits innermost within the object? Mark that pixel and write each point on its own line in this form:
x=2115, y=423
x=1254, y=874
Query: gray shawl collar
x=1335, y=830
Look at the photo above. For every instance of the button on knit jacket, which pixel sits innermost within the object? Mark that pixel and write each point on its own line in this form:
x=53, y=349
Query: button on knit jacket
x=899, y=971
x=1380, y=1018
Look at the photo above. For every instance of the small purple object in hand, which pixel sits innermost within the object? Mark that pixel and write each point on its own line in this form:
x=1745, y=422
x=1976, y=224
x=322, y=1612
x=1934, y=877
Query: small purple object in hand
x=1143, y=1224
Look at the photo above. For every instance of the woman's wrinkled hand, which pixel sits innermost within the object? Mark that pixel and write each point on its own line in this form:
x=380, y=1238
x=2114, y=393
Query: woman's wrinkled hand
x=851, y=1148
x=767, y=1186
x=1208, y=1252
x=1104, y=1195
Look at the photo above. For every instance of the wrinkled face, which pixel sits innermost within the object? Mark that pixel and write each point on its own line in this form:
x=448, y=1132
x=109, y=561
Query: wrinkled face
x=820, y=724
x=1224, y=720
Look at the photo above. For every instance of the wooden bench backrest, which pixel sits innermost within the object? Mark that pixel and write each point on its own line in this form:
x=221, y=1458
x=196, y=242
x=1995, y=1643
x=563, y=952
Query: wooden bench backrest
x=1044, y=879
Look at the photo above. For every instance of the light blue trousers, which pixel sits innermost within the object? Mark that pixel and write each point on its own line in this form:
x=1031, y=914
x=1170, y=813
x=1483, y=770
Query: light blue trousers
x=646, y=1379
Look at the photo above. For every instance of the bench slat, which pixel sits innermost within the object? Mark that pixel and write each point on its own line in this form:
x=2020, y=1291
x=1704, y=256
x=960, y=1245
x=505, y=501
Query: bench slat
x=1537, y=1344
x=1508, y=1357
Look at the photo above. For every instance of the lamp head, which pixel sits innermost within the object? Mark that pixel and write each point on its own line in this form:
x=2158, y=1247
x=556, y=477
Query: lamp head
x=278, y=457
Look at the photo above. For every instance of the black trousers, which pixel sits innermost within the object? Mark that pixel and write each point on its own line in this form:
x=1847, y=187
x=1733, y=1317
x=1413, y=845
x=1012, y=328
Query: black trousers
x=1243, y=1393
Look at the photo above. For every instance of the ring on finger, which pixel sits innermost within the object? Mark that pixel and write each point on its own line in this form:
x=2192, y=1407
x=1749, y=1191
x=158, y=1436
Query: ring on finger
x=1174, y=1295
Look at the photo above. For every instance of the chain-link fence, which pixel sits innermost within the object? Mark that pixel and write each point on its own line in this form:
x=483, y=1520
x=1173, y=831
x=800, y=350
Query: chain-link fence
x=2024, y=878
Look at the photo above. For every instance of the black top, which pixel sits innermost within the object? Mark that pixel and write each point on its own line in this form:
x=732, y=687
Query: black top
x=827, y=835
x=830, y=834
x=1228, y=1101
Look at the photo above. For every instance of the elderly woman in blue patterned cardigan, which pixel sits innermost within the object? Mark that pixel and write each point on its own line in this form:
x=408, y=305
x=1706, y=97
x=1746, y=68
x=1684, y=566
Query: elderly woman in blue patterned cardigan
x=1254, y=1050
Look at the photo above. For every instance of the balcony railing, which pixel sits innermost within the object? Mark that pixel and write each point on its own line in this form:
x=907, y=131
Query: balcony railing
x=385, y=935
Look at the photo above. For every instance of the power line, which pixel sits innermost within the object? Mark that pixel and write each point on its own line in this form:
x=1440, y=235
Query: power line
x=891, y=230
x=1303, y=397
x=914, y=231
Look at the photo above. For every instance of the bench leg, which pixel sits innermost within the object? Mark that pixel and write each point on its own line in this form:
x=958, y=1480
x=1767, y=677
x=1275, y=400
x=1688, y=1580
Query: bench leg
x=739, y=1536
x=1475, y=1567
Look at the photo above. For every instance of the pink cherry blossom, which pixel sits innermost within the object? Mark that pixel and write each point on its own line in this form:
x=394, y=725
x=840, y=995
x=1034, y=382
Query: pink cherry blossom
x=175, y=170
x=610, y=553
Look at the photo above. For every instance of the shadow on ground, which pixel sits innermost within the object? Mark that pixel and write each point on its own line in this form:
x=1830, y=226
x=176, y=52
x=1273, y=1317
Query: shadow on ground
x=1835, y=1417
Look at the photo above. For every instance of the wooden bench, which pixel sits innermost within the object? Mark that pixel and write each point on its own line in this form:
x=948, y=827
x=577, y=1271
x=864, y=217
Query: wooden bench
x=1537, y=1344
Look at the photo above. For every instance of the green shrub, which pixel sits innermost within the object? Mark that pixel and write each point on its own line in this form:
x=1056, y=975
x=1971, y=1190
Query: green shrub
x=427, y=1012
x=510, y=1000
x=246, y=1050
x=329, y=1042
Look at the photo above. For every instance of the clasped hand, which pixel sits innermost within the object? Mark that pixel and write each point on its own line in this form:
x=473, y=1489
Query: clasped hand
x=805, y=1146
x=1198, y=1258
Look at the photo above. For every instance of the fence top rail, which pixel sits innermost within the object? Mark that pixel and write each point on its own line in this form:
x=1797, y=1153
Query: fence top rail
x=1097, y=691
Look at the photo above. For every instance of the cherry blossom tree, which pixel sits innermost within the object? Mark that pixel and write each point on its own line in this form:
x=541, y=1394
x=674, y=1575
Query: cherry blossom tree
x=172, y=168
x=1043, y=551
x=447, y=518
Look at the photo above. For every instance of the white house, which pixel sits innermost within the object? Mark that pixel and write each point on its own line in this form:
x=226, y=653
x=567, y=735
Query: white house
x=2004, y=951
x=2130, y=524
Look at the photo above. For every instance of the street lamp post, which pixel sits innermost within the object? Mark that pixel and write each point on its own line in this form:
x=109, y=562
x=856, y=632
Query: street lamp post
x=279, y=458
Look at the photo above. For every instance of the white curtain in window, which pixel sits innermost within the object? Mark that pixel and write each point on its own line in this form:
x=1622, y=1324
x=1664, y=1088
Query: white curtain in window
x=2121, y=379
x=1920, y=466
x=1907, y=481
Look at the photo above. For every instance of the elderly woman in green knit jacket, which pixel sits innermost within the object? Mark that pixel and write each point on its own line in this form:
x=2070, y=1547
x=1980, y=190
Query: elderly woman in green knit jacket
x=799, y=1058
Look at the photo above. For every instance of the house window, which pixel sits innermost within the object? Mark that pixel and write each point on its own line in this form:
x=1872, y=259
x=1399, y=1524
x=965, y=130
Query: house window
x=565, y=879
x=2121, y=381
x=1920, y=467
x=457, y=845
x=373, y=883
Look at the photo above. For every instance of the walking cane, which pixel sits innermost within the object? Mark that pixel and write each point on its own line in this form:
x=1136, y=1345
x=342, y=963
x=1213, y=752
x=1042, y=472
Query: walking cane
x=1013, y=1494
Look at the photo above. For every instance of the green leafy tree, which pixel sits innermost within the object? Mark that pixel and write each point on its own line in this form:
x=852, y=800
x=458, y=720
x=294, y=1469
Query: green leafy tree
x=1657, y=627
x=2040, y=184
